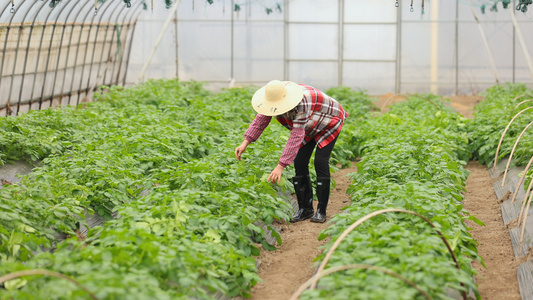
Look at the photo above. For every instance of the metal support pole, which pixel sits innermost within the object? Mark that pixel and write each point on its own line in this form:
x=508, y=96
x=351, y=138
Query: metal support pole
x=177, y=45
x=134, y=16
x=59, y=55
x=26, y=58
x=398, y=75
x=15, y=62
x=232, y=38
x=286, y=41
x=341, y=43
x=522, y=42
x=62, y=92
x=457, y=48
x=487, y=48
x=434, y=47
x=159, y=38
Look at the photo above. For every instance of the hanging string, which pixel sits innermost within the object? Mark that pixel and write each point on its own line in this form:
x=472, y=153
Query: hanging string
x=12, y=6
x=422, y=6
x=412, y=9
x=397, y=4
x=95, y=7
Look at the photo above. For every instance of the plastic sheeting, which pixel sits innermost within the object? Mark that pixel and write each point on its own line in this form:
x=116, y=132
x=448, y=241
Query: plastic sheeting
x=57, y=56
x=370, y=45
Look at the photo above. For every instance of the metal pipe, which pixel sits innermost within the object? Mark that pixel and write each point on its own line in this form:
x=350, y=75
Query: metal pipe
x=123, y=49
x=165, y=25
x=232, y=41
x=39, y=57
x=177, y=46
x=68, y=52
x=89, y=88
x=130, y=46
x=26, y=57
x=522, y=43
x=457, y=48
x=48, y=57
x=15, y=60
x=341, y=43
x=61, y=50
x=4, y=56
x=87, y=47
x=487, y=48
x=398, y=61
x=286, y=40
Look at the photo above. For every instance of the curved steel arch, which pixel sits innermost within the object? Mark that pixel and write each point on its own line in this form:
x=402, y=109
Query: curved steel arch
x=26, y=58
x=60, y=51
x=54, y=26
x=8, y=109
x=90, y=88
x=134, y=15
x=68, y=52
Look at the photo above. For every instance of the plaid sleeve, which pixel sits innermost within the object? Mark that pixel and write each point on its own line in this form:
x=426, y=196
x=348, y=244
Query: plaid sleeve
x=256, y=128
x=293, y=145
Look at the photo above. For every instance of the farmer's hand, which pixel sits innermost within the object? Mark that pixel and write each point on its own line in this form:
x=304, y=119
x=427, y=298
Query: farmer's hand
x=275, y=176
x=240, y=150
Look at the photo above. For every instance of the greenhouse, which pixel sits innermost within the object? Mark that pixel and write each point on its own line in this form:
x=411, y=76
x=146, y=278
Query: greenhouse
x=139, y=158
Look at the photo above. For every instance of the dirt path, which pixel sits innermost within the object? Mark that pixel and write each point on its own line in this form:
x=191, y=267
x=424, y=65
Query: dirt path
x=498, y=281
x=285, y=269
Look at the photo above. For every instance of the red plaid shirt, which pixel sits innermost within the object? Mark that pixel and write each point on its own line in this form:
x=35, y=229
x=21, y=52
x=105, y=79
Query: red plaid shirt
x=317, y=117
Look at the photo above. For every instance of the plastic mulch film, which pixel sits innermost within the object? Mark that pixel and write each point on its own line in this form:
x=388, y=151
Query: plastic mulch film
x=10, y=173
x=525, y=277
x=511, y=181
x=526, y=243
x=510, y=209
x=495, y=172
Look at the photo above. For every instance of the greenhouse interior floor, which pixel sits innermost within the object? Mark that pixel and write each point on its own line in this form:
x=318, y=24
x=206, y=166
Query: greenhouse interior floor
x=282, y=270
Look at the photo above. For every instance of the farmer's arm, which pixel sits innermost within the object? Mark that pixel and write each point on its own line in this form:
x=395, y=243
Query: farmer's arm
x=252, y=133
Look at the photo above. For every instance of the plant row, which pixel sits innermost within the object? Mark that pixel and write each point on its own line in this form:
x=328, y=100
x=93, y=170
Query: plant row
x=160, y=156
x=501, y=104
x=413, y=158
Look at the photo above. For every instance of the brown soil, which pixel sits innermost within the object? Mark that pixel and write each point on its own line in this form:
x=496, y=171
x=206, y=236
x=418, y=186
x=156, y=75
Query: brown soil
x=284, y=270
x=498, y=281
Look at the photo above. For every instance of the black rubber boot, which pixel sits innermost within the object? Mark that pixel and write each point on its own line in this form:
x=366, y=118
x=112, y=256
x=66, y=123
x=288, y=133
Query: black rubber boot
x=322, y=193
x=304, y=194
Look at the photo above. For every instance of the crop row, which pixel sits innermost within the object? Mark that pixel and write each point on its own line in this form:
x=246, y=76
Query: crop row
x=413, y=158
x=160, y=156
x=501, y=104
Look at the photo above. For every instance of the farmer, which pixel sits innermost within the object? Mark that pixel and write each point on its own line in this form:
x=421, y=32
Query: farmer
x=315, y=120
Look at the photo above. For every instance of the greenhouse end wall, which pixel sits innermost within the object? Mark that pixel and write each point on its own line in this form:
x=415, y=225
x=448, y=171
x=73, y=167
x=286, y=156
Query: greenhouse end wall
x=60, y=55
x=369, y=45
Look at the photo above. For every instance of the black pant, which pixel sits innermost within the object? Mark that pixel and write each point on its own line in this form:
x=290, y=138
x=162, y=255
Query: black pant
x=301, y=162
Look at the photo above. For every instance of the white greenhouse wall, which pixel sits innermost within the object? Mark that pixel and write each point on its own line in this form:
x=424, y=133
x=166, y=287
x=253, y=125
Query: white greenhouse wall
x=369, y=45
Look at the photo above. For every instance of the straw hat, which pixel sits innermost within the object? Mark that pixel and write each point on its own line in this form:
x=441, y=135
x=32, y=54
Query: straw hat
x=277, y=97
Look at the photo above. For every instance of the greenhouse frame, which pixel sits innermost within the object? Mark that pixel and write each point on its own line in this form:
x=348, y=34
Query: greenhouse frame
x=59, y=54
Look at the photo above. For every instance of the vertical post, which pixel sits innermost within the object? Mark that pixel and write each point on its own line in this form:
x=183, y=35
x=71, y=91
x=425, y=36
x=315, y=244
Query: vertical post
x=397, y=82
x=286, y=40
x=514, y=52
x=522, y=42
x=434, y=47
x=341, y=42
x=177, y=48
x=232, y=37
x=457, y=48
